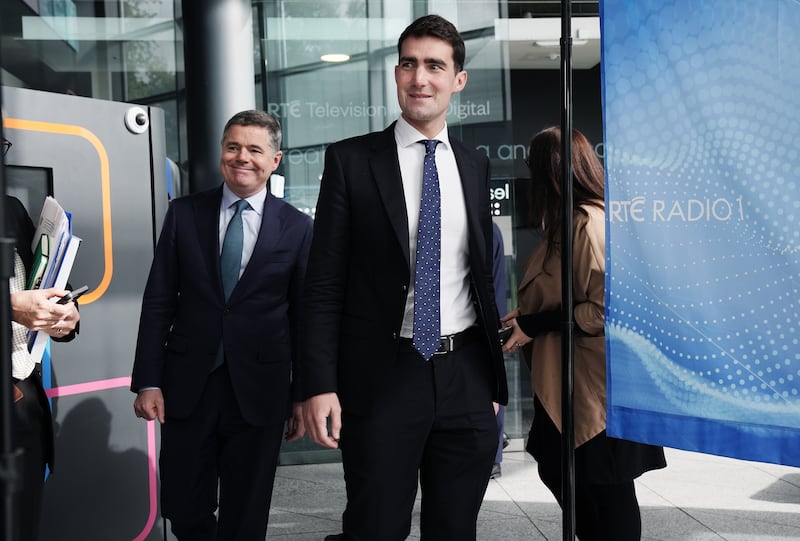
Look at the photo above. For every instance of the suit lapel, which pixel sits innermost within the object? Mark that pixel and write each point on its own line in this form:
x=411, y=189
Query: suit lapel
x=268, y=236
x=207, y=223
x=386, y=173
x=470, y=184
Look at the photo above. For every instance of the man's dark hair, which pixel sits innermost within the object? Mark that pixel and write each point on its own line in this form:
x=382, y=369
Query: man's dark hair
x=436, y=26
x=261, y=119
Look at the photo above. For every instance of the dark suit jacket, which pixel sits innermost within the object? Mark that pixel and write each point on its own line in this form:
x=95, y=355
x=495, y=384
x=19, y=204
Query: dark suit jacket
x=359, y=270
x=184, y=313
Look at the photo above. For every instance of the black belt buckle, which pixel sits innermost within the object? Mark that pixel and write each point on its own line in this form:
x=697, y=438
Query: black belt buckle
x=452, y=342
x=447, y=344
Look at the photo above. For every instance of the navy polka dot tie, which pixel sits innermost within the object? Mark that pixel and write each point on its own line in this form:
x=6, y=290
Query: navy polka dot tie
x=426, y=280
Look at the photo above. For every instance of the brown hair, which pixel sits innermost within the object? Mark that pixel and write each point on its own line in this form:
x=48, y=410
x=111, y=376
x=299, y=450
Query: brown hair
x=544, y=164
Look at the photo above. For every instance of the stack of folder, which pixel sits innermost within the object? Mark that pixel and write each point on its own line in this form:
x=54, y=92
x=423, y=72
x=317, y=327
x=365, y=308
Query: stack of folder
x=55, y=248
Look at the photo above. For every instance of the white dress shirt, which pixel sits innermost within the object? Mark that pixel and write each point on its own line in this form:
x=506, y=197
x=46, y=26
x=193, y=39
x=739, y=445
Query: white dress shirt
x=251, y=220
x=456, y=309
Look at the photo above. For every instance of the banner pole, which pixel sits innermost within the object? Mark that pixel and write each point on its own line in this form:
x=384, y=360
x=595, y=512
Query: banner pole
x=567, y=326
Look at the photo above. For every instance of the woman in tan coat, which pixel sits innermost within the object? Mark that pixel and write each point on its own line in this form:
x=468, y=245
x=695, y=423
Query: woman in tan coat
x=605, y=497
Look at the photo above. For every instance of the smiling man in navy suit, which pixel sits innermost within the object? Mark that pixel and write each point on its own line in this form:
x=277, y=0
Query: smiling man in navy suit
x=218, y=340
x=406, y=384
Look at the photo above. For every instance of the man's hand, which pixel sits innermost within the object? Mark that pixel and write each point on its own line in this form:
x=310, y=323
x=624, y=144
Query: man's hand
x=149, y=405
x=295, y=427
x=316, y=411
x=36, y=310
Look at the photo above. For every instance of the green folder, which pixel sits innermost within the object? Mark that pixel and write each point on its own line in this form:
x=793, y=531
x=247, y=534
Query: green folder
x=40, y=258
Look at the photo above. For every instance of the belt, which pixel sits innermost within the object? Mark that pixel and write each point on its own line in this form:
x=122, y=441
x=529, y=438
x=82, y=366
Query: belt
x=450, y=342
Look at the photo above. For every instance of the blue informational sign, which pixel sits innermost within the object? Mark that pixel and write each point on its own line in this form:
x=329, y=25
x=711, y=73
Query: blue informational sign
x=702, y=138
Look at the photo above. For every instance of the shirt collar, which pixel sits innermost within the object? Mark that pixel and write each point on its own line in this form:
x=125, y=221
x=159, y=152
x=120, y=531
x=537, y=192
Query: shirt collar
x=256, y=200
x=406, y=135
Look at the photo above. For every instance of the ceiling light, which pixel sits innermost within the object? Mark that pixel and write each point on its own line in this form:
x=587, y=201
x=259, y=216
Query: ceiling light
x=335, y=57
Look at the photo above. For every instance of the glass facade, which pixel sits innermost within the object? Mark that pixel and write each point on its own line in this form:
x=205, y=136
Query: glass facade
x=132, y=51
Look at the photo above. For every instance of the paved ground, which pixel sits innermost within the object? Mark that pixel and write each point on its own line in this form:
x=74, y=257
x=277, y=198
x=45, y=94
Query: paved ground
x=696, y=498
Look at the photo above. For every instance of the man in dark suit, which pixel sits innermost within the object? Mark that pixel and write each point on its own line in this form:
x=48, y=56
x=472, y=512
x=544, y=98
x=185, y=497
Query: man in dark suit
x=215, y=356
x=399, y=412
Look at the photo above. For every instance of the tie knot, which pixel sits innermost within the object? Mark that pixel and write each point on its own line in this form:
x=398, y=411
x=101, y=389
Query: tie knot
x=241, y=205
x=430, y=145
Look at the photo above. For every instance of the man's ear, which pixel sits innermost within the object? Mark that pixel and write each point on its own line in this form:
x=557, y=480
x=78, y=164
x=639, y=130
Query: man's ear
x=461, y=81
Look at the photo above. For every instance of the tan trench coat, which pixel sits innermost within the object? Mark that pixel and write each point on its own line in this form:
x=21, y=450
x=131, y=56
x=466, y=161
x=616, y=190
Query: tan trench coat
x=540, y=290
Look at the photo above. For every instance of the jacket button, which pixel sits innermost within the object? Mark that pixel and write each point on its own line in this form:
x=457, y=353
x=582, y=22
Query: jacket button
x=405, y=287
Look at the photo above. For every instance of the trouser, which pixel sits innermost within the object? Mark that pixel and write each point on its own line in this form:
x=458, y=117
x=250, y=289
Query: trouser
x=213, y=450
x=32, y=429
x=433, y=423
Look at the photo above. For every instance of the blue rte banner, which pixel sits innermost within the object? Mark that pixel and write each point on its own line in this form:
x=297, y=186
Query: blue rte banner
x=701, y=106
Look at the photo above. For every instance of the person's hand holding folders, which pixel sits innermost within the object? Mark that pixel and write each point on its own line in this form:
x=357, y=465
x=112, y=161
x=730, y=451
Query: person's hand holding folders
x=54, y=250
x=41, y=310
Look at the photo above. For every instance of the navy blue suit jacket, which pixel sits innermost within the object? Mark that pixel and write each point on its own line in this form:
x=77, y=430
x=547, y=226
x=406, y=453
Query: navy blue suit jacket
x=184, y=313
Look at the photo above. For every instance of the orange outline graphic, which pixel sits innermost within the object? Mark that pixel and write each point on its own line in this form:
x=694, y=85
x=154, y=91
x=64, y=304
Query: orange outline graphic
x=105, y=189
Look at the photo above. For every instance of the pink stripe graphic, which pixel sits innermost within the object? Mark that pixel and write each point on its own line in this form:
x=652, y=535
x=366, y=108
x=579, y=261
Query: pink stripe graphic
x=151, y=462
x=88, y=387
x=102, y=385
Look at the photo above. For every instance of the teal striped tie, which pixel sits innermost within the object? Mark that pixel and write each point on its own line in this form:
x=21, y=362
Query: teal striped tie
x=230, y=261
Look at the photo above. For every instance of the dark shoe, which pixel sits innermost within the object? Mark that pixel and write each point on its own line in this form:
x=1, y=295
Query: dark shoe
x=335, y=537
x=496, y=472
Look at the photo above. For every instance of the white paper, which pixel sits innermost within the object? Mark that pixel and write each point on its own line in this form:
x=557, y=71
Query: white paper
x=56, y=223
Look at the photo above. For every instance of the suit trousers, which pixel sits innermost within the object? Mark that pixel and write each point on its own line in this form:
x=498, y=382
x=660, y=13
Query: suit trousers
x=32, y=426
x=431, y=424
x=215, y=451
